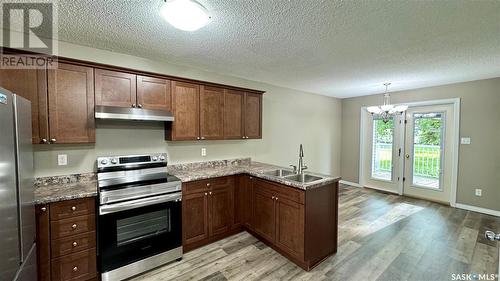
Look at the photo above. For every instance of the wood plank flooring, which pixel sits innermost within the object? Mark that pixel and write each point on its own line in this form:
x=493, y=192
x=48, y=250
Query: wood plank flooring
x=381, y=237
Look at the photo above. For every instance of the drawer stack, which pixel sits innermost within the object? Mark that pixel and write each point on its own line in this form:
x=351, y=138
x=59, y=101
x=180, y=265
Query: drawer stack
x=69, y=229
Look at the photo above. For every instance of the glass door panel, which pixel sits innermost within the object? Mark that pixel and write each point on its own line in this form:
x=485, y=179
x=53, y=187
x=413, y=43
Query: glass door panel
x=427, y=149
x=382, y=149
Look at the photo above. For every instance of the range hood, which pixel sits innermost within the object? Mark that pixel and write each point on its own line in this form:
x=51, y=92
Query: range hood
x=123, y=113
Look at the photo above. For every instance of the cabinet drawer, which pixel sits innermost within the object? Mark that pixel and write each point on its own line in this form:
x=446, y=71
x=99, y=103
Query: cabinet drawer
x=205, y=185
x=72, y=226
x=72, y=208
x=73, y=244
x=77, y=266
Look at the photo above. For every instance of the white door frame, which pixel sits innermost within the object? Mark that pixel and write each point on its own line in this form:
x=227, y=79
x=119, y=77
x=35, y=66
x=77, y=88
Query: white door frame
x=456, y=144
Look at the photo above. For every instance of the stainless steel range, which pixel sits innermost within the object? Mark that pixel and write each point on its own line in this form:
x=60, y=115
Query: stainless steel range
x=139, y=223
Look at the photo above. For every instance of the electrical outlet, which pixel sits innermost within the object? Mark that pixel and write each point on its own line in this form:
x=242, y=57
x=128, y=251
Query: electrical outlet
x=479, y=192
x=465, y=140
x=62, y=159
x=203, y=151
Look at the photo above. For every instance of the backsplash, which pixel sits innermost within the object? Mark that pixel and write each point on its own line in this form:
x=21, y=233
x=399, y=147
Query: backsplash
x=65, y=179
x=209, y=164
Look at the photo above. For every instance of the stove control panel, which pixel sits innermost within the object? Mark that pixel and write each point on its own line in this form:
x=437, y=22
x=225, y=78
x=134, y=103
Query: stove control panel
x=131, y=160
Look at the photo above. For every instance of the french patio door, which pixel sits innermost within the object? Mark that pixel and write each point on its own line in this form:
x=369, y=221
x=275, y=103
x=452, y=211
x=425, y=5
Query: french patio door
x=411, y=154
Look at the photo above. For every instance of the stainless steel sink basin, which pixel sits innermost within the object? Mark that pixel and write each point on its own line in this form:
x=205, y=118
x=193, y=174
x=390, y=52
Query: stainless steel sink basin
x=303, y=178
x=279, y=173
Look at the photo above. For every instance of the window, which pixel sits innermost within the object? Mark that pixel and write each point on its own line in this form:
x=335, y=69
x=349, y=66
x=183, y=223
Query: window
x=382, y=150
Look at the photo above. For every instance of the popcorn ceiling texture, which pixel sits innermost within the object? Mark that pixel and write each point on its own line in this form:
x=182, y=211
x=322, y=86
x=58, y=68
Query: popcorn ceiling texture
x=336, y=48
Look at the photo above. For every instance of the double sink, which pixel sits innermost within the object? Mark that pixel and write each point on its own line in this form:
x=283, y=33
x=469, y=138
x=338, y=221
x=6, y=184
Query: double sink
x=290, y=175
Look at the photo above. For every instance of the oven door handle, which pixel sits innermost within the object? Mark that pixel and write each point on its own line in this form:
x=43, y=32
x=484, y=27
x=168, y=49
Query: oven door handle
x=123, y=206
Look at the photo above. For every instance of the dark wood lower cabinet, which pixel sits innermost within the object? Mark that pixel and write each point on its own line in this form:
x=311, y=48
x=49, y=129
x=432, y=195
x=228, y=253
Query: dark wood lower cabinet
x=300, y=224
x=66, y=240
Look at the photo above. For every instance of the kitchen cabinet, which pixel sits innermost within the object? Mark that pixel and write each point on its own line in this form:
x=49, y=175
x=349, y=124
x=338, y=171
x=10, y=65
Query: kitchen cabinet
x=30, y=84
x=115, y=88
x=153, y=93
x=66, y=240
x=186, y=110
x=71, y=104
x=207, y=210
x=253, y=116
x=243, y=201
x=211, y=113
x=233, y=114
x=264, y=213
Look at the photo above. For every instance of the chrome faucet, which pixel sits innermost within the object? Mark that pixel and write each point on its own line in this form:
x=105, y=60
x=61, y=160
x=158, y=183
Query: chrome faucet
x=301, y=167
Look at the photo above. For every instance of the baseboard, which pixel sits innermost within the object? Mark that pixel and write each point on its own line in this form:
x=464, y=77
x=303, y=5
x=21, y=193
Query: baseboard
x=350, y=183
x=478, y=209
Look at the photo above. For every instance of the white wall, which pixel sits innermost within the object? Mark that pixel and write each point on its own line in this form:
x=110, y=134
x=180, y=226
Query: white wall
x=289, y=118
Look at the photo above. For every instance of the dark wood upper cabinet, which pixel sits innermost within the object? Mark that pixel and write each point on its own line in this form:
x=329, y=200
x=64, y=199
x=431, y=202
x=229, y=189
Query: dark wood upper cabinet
x=30, y=84
x=211, y=113
x=154, y=93
x=253, y=116
x=186, y=110
x=233, y=114
x=71, y=104
x=114, y=88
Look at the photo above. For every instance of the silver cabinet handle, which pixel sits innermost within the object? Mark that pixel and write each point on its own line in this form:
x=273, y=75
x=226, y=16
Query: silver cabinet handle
x=44, y=209
x=75, y=269
x=53, y=140
x=73, y=208
x=133, y=105
x=208, y=184
x=202, y=138
x=243, y=137
x=272, y=197
x=197, y=138
x=490, y=235
x=75, y=244
x=206, y=194
x=276, y=198
x=44, y=141
x=74, y=226
x=139, y=105
x=210, y=193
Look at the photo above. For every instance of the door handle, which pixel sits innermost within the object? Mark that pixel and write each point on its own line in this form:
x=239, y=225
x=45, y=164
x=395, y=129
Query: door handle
x=490, y=235
x=407, y=156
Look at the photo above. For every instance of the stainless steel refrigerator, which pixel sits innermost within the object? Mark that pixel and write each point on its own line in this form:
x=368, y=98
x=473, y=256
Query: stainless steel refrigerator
x=17, y=212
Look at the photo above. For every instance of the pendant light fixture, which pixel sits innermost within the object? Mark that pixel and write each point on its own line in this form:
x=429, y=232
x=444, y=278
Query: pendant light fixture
x=187, y=15
x=387, y=110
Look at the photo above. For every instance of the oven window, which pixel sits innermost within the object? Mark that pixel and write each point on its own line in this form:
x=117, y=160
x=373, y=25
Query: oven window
x=133, y=229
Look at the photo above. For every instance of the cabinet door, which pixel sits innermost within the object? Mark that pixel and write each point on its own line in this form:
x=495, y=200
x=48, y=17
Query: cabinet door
x=290, y=227
x=253, y=116
x=233, y=114
x=113, y=88
x=211, y=113
x=30, y=84
x=186, y=108
x=194, y=217
x=243, y=201
x=71, y=104
x=263, y=221
x=153, y=93
x=43, y=241
x=221, y=210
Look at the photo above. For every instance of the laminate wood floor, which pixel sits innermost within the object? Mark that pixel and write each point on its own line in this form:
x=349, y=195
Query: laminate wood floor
x=381, y=237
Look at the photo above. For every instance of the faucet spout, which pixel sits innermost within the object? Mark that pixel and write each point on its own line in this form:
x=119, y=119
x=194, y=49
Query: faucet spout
x=301, y=167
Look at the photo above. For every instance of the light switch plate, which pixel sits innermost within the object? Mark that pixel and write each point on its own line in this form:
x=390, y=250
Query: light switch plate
x=465, y=140
x=203, y=151
x=62, y=159
x=479, y=192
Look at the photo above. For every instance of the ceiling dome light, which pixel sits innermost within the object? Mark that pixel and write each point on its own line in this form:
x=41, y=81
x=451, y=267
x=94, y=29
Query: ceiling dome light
x=187, y=15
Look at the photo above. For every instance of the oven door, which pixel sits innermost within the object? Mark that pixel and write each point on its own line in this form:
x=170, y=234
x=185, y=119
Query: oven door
x=133, y=230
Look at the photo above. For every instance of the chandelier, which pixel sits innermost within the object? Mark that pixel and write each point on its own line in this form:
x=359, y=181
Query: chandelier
x=387, y=110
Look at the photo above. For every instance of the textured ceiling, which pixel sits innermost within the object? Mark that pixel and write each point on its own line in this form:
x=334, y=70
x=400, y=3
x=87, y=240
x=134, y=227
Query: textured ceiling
x=335, y=48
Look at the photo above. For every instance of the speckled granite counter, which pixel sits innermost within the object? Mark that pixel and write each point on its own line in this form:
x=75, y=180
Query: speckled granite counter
x=59, y=188
x=205, y=170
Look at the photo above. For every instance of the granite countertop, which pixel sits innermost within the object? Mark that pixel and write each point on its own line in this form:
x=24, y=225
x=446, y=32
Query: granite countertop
x=256, y=169
x=60, y=188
